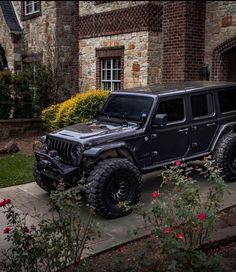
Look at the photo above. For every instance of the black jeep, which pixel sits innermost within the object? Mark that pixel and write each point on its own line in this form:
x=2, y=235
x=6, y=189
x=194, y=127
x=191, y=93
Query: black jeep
x=138, y=131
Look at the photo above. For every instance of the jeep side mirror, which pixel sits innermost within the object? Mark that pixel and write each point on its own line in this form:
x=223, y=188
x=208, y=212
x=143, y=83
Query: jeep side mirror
x=159, y=120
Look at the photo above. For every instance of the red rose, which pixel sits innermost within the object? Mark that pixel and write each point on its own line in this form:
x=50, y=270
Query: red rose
x=6, y=230
x=179, y=236
x=155, y=194
x=167, y=230
x=178, y=163
x=201, y=216
x=26, y=229
x=120, y=249
x=7, y=201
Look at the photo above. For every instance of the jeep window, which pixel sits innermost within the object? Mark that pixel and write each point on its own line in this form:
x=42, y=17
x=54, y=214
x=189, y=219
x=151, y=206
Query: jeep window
x=130, y=107
x=202, y=105
x=227, y=100
x=174, y=109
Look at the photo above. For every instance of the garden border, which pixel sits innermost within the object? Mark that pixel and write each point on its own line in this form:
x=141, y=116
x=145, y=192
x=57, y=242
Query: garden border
x=19, y=127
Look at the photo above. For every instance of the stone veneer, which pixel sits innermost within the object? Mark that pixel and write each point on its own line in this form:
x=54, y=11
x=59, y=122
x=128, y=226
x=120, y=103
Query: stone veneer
x=39, y=32
x=220, y=26
x=90, y=7
x=53, y=37
x=140, y=49
x=6, y=39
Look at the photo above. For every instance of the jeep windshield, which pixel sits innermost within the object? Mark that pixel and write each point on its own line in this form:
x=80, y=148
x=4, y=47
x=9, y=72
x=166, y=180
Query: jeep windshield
x=127, y=107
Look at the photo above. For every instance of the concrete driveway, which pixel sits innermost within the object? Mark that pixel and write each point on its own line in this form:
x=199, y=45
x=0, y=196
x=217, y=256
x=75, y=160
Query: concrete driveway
x=30, y=199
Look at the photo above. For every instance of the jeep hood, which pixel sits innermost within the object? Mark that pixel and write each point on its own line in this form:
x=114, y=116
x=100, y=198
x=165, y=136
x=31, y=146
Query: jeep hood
x=95, y=132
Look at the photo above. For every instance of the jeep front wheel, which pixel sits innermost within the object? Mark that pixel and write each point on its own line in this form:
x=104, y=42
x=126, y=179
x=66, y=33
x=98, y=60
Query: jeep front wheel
x=225, y=156
x=111, y=183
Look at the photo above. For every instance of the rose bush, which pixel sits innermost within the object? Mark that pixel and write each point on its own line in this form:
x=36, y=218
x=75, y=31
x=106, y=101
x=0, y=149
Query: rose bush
x=182, y=219
x=54, y=243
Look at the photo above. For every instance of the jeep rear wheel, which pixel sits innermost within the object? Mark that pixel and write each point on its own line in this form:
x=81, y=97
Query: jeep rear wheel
x=112, y=182
x=225, y=156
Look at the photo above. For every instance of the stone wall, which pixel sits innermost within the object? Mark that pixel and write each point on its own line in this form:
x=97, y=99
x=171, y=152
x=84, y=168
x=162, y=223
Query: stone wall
x=39, y=32
x=6, y=41
x=18, y=127
x=93, y=7
x=220, y=27
x=52, y=37
x=140, y=49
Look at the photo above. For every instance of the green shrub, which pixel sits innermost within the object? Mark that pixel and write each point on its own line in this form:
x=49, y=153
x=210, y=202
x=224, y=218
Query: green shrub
x=25, y=94
x=6, y=101
x=80, y=108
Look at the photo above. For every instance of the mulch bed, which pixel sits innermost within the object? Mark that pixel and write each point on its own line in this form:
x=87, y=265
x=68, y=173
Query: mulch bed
x=130, y=252
x=25, y=143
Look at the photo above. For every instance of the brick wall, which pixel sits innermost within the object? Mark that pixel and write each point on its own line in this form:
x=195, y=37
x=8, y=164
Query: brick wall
x=67, y=42
x=220, y=37
x=183, y=40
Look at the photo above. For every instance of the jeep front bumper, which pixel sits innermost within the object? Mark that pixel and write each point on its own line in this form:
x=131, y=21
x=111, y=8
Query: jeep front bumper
x=50, y=167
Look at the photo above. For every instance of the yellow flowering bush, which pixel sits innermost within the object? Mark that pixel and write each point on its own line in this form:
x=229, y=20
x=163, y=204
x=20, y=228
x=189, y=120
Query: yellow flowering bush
x=79, y=108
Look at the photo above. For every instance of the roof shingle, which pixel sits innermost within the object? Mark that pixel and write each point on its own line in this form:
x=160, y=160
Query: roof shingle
x=10, y=16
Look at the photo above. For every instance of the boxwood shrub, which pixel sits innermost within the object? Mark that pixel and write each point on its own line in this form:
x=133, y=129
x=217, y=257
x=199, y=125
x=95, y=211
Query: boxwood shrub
x=78, y=109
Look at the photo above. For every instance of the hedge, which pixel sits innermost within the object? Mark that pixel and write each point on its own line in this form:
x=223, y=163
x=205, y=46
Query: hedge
x=80, y=108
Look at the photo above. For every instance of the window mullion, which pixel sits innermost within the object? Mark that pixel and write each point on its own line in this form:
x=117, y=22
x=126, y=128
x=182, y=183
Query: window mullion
x=112, y=89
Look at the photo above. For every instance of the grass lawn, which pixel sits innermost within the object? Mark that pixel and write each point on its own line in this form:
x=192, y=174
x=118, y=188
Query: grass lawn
x=15, y=169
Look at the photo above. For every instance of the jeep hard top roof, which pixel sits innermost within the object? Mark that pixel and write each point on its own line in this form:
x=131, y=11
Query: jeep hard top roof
x=178, y=87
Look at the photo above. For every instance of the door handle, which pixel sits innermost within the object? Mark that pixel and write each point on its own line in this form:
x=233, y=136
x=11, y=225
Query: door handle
x=183, y=130
x=210, y=124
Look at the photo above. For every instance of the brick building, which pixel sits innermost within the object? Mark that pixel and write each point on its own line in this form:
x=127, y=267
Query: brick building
x=122, y=44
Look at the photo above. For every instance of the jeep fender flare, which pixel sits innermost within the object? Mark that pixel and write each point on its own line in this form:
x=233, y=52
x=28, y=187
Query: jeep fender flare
x=223, y=130
x=121, y=149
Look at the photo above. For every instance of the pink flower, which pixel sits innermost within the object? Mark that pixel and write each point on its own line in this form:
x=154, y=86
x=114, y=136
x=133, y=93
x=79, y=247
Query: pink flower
x=25, y=229
x=179, y=236
x=167, y=230
x=178, y=163
x=155, y=194
x=6, y=230
x=201, y=216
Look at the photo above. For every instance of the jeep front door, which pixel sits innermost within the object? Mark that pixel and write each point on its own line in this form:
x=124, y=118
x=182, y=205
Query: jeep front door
x=170, y=142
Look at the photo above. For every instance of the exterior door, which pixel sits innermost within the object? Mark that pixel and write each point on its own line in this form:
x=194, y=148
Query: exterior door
x=172, y=141
x=204, y=123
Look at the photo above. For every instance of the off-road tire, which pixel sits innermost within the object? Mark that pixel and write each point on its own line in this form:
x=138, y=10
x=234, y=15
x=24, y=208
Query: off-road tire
x=104, y=178
x=225, y=156
x=43, y=182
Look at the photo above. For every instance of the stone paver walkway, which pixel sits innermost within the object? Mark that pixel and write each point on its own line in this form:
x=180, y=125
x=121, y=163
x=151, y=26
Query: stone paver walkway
x=29, y=198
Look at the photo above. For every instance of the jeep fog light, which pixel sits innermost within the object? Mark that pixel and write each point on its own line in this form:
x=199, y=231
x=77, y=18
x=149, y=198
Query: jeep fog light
x=43, y=140
x=76, y=151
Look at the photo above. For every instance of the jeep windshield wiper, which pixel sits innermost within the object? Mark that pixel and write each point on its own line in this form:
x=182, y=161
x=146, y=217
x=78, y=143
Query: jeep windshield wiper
x=104, y=114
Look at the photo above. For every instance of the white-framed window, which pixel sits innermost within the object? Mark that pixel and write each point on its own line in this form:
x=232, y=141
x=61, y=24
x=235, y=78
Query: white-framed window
x=32, y=7
x=111, y=73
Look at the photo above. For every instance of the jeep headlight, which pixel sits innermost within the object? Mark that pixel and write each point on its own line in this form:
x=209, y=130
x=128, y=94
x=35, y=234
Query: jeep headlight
x=76, y=151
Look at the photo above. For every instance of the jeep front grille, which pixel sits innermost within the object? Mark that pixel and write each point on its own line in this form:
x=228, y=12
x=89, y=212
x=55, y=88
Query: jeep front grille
x=64, y=149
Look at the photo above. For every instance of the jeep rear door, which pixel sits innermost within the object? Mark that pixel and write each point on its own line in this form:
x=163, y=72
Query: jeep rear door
x=204, y=122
